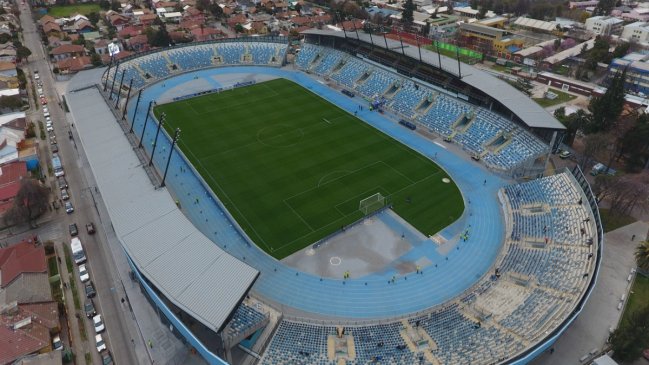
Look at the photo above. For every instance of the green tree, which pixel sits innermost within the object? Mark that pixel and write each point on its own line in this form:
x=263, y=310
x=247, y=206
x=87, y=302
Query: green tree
x=239, y=28
x=604, y=7
x=115, y=5
x=216, y=10
x=630, y=338
x=642, y=255
x=621, y=49
x=30, y=202
x=408, y=11
x=12, y=102
x=573, y=123
x=93, y=18
x=160, y=38
x=605, y=110
x=95, y=59
x=104, y=4
x=635, y=144
x=23, y=53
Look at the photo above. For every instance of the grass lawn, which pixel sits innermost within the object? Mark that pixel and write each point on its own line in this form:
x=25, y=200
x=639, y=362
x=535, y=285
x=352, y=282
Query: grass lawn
x=59, y=11
x=561, y=98
x=638, y=297
x=613, y=222
x=292, y=168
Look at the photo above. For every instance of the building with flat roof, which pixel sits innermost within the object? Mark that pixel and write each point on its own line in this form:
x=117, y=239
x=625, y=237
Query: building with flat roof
x=604, y=25
x=637, y=72
x=488, y=39
x=637, y=32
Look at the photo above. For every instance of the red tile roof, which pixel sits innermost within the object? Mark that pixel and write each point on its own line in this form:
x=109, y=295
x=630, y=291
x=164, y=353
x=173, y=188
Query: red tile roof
x=9, y=191
x=74, y=64
x=13, y=171
x=30, y=338
x=67, y=48
x=20, y=258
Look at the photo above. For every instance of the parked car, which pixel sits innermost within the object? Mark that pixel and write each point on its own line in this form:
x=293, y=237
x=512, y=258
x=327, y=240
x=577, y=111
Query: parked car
x=52, y=139
x=55, y=148
x=64, y=194
x=69, y=208
x=36, y=75
x=107, y=358
x=84, y=275
x=73, y=229
x=99, y=324
x=90, y=228
x=63, y=183
x=101, y=345
x=565, y=154
x=43, y=101
x=57, y=345
x=89, y=308
x=90, y=290
x=45, y=109
x=50, y=129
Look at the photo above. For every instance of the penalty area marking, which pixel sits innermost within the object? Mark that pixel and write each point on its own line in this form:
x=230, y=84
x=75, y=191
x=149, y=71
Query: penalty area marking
x=326, y=121
x=335, y=261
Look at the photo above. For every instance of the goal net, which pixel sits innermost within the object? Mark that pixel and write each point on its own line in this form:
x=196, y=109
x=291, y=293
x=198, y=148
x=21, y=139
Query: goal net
x=371, y=204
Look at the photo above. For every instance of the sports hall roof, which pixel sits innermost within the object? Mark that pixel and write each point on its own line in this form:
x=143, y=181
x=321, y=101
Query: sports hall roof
x=525, y=108
x=189, y=269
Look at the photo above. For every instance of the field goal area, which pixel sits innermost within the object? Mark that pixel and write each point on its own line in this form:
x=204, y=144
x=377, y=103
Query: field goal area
x=371, y=204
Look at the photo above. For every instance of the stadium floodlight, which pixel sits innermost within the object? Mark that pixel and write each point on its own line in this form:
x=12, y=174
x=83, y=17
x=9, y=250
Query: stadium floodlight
x=113, y=49
x=371, y=204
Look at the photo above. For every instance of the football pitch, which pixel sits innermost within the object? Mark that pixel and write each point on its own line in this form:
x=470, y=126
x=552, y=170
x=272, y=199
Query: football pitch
x=292, y=168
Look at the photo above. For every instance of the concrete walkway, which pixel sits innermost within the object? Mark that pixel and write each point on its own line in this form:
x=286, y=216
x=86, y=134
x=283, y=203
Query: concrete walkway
x=589, y=332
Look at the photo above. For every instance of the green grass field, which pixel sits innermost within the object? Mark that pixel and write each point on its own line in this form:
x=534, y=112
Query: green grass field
x=59, y=11
x=292, y=168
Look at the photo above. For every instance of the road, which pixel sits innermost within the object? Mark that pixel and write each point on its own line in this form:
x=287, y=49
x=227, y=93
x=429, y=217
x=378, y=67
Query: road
x=100, y=262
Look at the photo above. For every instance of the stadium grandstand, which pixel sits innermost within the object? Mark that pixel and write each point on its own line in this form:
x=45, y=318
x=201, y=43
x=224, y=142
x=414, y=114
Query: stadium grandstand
x=505, y=299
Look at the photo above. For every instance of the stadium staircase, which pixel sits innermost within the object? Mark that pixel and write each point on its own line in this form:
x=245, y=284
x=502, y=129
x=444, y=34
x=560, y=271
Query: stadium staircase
x=139, y=70
x=169, y=61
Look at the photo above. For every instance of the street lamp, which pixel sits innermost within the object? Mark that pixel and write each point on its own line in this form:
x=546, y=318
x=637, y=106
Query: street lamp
x=146, y=119
x=171, y=150
x=155, y=140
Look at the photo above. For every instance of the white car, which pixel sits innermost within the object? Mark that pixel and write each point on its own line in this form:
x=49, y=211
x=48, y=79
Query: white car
x=50, y=128
x=99, y=324
x=57, y=345
x=84, y=275
x=45, y=110
x=101, y=345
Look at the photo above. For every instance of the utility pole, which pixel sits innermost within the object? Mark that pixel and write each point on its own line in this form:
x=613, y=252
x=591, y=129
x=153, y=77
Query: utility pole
x=171, y=150
x=155, y=140
x=146, y=119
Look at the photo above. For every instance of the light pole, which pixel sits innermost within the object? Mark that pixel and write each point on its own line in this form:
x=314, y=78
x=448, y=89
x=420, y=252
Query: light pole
x=119, y=91
x=171, y=150
x=155, y=140
x=112, y=85
x=137, y=103
x=128, y=97
x=146, y=119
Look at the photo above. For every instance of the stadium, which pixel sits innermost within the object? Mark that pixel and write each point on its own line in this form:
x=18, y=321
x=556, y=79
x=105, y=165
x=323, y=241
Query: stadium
x=347, y=200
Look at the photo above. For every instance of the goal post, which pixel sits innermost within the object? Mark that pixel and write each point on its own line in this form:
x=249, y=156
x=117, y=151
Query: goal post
x=371, y=204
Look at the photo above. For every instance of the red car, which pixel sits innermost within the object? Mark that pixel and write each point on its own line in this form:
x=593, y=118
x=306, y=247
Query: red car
x=43, y=101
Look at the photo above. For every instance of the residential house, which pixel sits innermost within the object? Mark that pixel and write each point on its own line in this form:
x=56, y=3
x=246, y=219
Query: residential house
x=25, y=329
x=139, y=43
x=130, y=31
x=147, y=19
x=23, y=268
x=8, y=69
x=206, y=34
x=51, y=29
x=83, y=26
x=67, y=51
x=73, y=64
x=193, y=14
x=117, y=20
